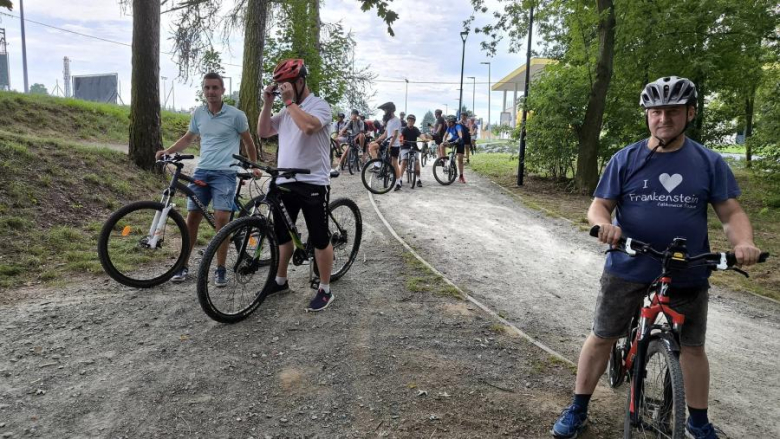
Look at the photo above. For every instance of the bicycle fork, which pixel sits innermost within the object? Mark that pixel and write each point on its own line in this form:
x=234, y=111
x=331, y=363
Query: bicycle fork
x=157, y=230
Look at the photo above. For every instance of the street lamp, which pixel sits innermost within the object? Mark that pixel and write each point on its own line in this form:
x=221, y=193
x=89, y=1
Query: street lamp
x=24, y=46
x=473, y=92
x=446, y=110
x=463, y=36
x=165, y=93
x=521, y=155
x=488, y=64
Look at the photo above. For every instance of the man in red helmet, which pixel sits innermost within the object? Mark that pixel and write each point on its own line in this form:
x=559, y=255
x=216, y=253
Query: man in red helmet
x=304, y=142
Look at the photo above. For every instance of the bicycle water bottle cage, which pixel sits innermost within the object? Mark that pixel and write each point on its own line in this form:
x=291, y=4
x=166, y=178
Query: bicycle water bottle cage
x=678, y=254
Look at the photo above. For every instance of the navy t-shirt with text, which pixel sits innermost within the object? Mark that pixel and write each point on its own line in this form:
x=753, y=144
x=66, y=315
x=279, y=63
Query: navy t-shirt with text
x=665, y=199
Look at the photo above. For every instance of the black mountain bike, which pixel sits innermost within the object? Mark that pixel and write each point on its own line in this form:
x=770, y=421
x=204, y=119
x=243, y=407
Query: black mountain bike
x=379, y=174
x=144, y=243
x=353, y=163
x=253, y=254
x=445, y=168
x=414, y=153
x=649, y=353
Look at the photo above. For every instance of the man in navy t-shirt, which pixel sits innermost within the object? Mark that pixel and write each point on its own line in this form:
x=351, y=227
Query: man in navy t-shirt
x=659, y=189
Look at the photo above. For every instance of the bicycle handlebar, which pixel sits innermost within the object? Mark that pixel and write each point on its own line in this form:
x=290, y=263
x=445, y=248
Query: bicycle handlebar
x=718, y=261
x=274, y=172
x=166, y=158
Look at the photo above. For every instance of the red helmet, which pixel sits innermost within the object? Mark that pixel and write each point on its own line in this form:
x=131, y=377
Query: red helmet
x=290, y=70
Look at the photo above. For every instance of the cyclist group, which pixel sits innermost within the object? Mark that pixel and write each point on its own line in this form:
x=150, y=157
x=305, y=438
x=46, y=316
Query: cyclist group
x=658, y=188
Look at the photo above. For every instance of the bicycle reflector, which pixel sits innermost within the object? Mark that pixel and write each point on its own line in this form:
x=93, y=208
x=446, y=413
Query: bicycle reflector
x=126, y=231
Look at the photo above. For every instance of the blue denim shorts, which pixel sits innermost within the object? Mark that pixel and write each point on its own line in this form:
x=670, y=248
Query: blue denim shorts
x=220, y=189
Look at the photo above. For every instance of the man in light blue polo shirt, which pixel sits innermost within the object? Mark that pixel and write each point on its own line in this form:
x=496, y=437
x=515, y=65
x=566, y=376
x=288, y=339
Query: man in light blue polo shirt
x=221, y=129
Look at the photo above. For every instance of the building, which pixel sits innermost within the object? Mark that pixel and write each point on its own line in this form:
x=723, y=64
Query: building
x=514, y=83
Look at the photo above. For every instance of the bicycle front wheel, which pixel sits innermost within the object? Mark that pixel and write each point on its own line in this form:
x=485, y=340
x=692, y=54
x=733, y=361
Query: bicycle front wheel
x=378, y=176
x=423, y=159
x=247, y=250
x=125, y=250
x=659, y=396
x=443, y=172
x=352, y=162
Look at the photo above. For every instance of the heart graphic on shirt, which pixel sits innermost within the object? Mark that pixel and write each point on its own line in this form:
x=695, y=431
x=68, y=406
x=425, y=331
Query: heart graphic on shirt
x=670, y=181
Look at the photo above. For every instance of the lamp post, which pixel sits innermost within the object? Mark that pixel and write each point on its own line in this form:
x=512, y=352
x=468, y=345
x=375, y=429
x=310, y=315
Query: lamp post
x=473, y=93
x=488, y=64
x=24, y=47
x=406, y=93
x=463, y=36
x=165, y=94
x=521, y=155
x=446, y=110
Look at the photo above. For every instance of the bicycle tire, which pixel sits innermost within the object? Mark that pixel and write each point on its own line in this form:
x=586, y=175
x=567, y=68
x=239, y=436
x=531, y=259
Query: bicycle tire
x=616, y=372
x=127, y=260
x=423, y=160
x=351, y=162
x=240, y=297
x=345, y=237
x=661, y=394
x=380, y=182
x=442, y=171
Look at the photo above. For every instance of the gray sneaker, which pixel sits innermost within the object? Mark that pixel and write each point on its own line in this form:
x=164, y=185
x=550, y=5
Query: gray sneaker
x=180, y=275
x=220, y=277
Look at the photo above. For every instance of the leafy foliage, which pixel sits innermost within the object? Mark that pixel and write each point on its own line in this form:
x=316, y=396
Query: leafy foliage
x=38, y=89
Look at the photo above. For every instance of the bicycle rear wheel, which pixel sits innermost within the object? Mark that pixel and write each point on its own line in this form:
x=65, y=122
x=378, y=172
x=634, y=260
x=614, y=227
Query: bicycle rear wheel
x=442, y=171
x=252, y=257
x=352, y=161
x=346, y=232
x=659, y=396
x=378, y=180
x=124, y=250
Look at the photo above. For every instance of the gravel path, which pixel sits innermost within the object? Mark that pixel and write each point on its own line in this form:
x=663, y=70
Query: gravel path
x=542, y=274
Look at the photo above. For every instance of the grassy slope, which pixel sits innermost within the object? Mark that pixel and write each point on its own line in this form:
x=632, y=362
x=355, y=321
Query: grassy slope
x=760, y=199
x=57, y=187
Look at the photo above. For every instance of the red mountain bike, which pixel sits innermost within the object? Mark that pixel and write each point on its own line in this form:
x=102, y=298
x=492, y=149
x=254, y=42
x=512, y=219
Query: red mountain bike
x=649, y=354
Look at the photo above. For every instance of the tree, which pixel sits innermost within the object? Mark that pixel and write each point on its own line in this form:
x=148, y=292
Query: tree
x=428, y=119
x=7, y=4
x=38, y=89
x=145, y=134
x=250, y=96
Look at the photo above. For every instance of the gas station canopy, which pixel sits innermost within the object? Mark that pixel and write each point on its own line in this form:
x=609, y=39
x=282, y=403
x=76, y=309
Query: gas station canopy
x=516, y=79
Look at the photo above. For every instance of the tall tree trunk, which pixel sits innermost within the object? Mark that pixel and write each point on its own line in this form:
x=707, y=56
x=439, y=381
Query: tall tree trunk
x=749, y=103
x=250, y=97
x=145, y=134
x=695, y=132
x=587, y=159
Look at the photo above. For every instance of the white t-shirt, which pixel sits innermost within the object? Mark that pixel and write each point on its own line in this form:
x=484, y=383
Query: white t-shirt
x=297, y=150
x=394, y=124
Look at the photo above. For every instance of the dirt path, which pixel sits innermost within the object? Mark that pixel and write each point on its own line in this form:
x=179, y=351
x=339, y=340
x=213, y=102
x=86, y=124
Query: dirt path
x=542, y=274
x=387, y=359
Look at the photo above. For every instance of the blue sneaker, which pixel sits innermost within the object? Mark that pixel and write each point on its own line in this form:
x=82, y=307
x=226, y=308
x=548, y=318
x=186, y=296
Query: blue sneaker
x=321, y=301
x=180, y=275
x=220, y=277
x=571, y=423
x=707, y=432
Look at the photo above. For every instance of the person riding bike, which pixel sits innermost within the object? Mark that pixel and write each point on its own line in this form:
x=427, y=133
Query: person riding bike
x=338, y=126
x=390, y=135
x=660, y=188
x=465, y=126
x=410, y=134
x=303, y=143
x=357, y=129
x=453, y=137
x=222, y=128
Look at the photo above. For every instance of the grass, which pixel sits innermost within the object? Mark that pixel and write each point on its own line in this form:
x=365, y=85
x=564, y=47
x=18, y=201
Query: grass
x=74, y=119
x=418, y=278
x=54, y=197
x=760, y=199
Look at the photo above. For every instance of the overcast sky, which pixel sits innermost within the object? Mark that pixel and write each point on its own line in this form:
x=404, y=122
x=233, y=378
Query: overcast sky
x=427, y=48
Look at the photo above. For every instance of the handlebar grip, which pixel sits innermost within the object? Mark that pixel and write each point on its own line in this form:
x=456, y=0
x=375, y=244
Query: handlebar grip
x=186, y=157
x=731, y=258
x=594, y=231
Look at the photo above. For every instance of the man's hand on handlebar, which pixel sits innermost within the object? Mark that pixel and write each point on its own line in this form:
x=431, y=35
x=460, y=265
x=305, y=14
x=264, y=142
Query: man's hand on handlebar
x=609, y=234
x=159, y=154
x=747, y=254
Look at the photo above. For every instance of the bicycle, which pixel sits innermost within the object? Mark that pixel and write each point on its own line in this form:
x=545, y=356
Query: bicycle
x=336, y=151
x=411, y=175
x=444, y=168
x=143, y=244
x=649, y=353
x=353, y=156
x=379, y=180
x=254, y=252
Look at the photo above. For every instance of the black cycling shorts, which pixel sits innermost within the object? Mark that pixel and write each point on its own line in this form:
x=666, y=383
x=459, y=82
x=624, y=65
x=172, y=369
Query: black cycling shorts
x=460, y=148
x=313, y=200
x=395, y=151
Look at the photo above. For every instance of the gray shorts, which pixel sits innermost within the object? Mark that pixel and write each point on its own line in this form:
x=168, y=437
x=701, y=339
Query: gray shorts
x=619, y=300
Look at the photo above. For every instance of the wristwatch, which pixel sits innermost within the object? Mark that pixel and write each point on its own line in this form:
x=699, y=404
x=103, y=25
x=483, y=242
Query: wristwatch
x=288, y=102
